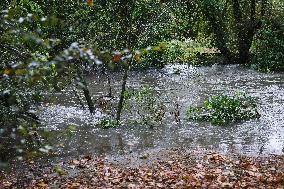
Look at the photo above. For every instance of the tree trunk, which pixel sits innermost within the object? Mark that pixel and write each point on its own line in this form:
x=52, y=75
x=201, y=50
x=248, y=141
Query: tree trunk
x=88, y=97
x=121, y=99
x=245, y=31
x=216, y=22
x=128, y=6
x=109, y=86
x=86, y=91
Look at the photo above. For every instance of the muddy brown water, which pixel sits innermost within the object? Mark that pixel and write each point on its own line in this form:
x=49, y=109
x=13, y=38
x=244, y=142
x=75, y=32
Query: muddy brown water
x=190, y=87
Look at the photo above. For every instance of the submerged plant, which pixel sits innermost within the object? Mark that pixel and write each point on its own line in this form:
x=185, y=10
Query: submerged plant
x=224, y=109
x=144, y=106
x=108, y=123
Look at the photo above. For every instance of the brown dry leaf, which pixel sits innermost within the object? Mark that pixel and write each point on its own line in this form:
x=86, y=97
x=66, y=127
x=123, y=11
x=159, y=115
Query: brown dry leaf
x=75, y=162
x=216, y=157
x=188, y=178
x=270, y=180
x=227, y=185
x=116, y=181
x=199, y=166
x=220, y=172
x=7, y=184
x=280, y=177
x=200, y=175
x=214, y=186
x=246, y=165
x=159, y=185
x=131, y=186
x=252, y=168
x=254, y=174
x=171, y=175
x=221, y=179
x=74, y=185
x=260, y=178
x=116, y=57
x=209, y=176
x=217, y=171
x=88, y=157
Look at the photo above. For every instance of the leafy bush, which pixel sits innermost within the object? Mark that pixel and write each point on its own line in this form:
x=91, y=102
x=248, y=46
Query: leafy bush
x=150, y=57
x=177, y=52
x=268, y=48
x=27, y=72
x=224, y=109
x=23, y=76
x=144, y=106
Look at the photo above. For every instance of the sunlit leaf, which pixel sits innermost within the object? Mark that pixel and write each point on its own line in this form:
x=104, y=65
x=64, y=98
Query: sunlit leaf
x=90, y=3
x=42, y=184
x=59, y=171
x=137, y=57
x=20, y=71
x=8, y=71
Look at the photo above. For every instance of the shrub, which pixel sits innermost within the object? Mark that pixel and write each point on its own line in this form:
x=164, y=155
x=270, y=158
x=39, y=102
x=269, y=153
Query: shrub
x=176, y=52
x=28, y=71
x=189, y=52
x=224, y=109
x=150, y=57
x=143, y=106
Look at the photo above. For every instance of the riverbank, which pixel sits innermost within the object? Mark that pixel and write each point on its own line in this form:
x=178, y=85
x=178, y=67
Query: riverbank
x=173, y=168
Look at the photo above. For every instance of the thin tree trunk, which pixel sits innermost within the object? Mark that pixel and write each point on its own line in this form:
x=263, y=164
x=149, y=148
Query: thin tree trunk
x=86, y=91
x=121, y=99
x=128, y=31
x=88, y=97
x=109, y=86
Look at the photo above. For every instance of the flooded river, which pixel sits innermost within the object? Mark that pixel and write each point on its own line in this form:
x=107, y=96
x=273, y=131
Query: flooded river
x=190, y=87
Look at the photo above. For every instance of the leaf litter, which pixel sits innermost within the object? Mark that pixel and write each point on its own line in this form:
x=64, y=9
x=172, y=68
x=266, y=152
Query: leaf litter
x=174, y=168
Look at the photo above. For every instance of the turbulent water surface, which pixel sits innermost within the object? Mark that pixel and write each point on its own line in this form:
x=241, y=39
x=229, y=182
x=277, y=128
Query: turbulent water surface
x=190, y=87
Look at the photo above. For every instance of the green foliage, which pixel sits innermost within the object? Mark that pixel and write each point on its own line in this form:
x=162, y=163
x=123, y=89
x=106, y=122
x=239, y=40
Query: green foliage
x=150, y=57
x=59, y=170
x=224, y=109
x=144, y=106
x=69, y=131
x=236, y=23
x=268, y=47
x=128, y=24
x=107, y=123
x=23, y=72
x=177, y=52
x=28, y=69
x=189, y=52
